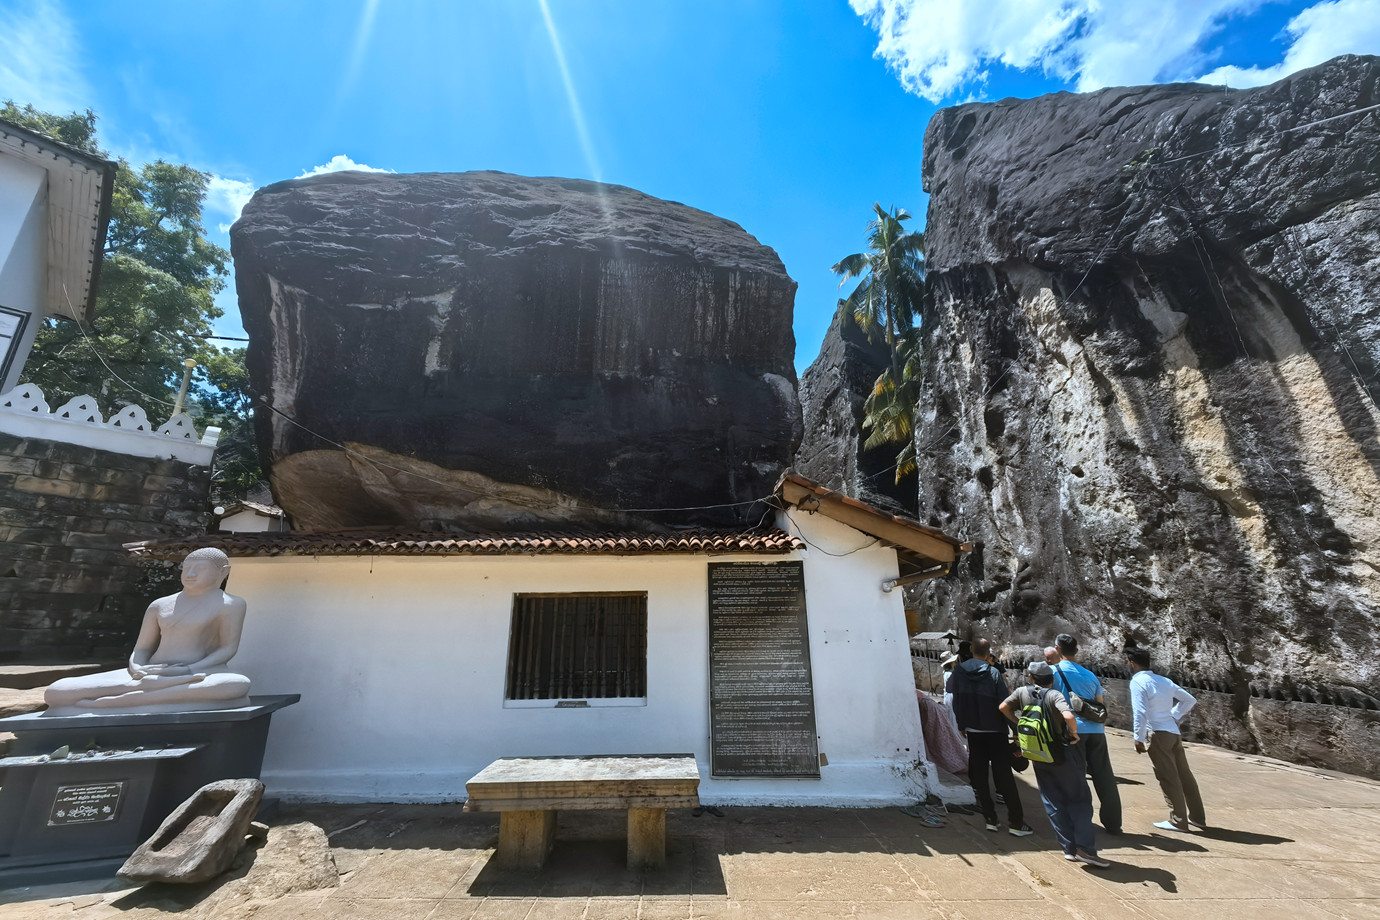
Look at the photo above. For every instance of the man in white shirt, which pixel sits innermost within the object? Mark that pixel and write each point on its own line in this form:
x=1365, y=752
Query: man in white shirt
x=1158, y=705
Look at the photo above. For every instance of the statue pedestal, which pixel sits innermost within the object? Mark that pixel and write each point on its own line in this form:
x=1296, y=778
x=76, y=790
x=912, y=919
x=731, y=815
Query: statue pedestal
x=68, y=819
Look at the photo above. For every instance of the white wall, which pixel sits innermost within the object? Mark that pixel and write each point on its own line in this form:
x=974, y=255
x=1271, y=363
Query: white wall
x=23, y=251
x=401, y=664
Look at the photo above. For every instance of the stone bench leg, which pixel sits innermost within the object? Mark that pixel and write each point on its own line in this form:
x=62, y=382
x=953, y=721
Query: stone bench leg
x=646, y=838
x=525, y=838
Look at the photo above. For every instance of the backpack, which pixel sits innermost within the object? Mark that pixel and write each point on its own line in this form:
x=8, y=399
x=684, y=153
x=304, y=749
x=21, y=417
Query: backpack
x=1033, y=733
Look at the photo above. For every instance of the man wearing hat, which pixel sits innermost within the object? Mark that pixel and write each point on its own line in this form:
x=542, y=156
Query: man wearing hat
x=1063, y=783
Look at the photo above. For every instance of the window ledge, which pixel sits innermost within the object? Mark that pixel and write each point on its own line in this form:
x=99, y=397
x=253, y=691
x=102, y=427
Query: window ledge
x=600, y=703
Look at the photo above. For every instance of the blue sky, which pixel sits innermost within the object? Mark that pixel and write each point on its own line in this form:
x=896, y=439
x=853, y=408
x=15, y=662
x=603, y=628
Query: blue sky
x=789, y=117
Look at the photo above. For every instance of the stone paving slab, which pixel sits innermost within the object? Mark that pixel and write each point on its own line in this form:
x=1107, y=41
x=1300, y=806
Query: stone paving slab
x=1286, y=842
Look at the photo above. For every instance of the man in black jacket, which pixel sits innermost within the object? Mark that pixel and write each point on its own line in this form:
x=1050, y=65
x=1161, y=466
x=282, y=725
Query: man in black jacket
x=978, y=688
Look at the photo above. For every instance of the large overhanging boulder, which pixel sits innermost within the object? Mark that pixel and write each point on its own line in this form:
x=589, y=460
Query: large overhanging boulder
x=488, y=351
x=1151, y=357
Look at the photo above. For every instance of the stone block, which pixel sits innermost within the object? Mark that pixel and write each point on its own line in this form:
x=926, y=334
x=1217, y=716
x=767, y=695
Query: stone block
x=61, y=504
x=92, y=556
x=79, y=472
x=22, y=517
x=89, y=540
x=129, y=478
x=12, y=499
x=10, y=464
x=20, y=447
x=120, y=511
x=201, y=838
x=43, y=486
x=56, y=553
x=48, y=469
x=164, y=483
x=40, y=536
x=104, y=493
x=13, y=552
x=197, y=519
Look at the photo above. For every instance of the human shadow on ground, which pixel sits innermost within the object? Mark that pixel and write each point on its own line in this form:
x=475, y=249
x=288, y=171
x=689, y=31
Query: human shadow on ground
x=1160, y=842
x=1248, y=838
x=1130, y=874
x=1123, y=781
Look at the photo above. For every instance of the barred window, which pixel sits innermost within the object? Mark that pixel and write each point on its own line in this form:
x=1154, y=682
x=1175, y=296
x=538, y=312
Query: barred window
x=578, y=646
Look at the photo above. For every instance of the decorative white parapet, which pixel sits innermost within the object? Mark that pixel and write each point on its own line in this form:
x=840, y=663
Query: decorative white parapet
x=24, y=413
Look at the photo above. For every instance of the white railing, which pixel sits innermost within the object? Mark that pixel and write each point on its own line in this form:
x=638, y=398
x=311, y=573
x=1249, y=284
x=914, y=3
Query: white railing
x=24, y=412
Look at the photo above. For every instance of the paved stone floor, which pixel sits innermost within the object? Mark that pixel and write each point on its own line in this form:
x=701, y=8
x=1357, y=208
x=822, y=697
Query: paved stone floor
x=1286, y=841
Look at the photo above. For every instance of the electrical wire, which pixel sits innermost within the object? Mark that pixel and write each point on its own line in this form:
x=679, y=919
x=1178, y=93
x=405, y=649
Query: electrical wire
x=801, y=534
x=99, y=357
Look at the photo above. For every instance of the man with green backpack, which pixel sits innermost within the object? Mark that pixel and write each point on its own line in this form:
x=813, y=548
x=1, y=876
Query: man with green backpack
x=1048, y=736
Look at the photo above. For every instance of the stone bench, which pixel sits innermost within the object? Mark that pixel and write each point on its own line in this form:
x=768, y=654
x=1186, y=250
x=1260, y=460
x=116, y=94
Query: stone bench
x=527, y=792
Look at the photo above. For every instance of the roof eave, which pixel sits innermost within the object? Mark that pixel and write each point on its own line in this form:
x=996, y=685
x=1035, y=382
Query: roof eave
x=921, y=548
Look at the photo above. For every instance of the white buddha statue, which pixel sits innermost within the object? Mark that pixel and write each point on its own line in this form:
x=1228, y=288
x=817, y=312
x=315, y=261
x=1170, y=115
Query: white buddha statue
x=179, y=660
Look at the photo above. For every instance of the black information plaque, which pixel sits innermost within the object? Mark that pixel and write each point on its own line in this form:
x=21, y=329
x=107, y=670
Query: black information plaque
x=761, y=696
x=89, y=803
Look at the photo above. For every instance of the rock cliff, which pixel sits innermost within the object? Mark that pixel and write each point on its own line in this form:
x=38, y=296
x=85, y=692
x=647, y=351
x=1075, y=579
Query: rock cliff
x=832, y=392
x=502, y=352
x=1152, y=341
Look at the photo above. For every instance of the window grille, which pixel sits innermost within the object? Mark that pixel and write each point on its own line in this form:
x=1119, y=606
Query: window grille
x=577, y=646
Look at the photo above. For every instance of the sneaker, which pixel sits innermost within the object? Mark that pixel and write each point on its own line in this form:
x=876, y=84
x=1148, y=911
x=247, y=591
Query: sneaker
x=1092, y=860
x=1201, y=825
x=1070, y=857
x=1024, y=830
x=993, y=827
x=1170, y=826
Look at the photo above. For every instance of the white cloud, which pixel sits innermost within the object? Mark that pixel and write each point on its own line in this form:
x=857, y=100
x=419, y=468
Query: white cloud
x=227, y=197
x=39, y=54
x=1317, y=34
x=340, y=163
x=940, y=48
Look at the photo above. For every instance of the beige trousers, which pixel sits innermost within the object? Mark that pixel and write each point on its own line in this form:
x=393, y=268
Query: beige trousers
x=1176, y=779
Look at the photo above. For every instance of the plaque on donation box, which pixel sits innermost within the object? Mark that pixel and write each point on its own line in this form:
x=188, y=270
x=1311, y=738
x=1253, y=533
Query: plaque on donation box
x=86, y=804
x=761, y=696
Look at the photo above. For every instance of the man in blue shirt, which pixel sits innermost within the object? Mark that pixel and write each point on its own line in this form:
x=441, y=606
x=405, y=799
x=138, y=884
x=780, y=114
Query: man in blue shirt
x=1069, y=675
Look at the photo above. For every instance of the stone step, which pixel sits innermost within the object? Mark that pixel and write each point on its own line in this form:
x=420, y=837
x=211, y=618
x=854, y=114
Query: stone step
x=29, y=676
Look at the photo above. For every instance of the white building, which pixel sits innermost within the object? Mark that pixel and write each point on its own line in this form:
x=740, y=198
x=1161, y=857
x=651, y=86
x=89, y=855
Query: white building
x=422, y=658
x=54, y=209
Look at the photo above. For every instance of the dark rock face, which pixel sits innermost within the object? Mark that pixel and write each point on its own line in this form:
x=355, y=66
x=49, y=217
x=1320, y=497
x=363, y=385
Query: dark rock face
x=1152, y=343
x=832, y=392
x=506, y=352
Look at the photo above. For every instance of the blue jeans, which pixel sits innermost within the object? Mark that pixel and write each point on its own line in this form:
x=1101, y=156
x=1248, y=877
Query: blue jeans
x=1068, y=802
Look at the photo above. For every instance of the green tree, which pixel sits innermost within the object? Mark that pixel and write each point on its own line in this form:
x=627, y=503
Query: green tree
x=884, y=305
x=154, y=306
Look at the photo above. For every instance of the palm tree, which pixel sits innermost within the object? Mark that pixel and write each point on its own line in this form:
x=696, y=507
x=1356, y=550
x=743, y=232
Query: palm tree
x=884, y=305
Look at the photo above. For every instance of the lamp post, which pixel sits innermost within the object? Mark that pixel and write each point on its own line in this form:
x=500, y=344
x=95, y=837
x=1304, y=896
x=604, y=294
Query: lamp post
x=186, y=378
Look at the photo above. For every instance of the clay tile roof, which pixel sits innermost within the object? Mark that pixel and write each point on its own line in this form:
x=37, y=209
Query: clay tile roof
x=382, y=543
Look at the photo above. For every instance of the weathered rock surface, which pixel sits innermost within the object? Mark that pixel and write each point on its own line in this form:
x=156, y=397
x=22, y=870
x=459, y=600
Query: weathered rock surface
x=1152, y=345
x=201, y=838
x=832, y=392
x=17, y=702
x=511, y=352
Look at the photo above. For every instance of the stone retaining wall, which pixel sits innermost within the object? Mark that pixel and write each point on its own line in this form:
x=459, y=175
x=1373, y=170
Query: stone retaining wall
x=67, y=588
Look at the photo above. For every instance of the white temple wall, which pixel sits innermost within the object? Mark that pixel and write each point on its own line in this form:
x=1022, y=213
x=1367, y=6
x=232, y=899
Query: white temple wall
x=23, y=261
x=401, y=664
